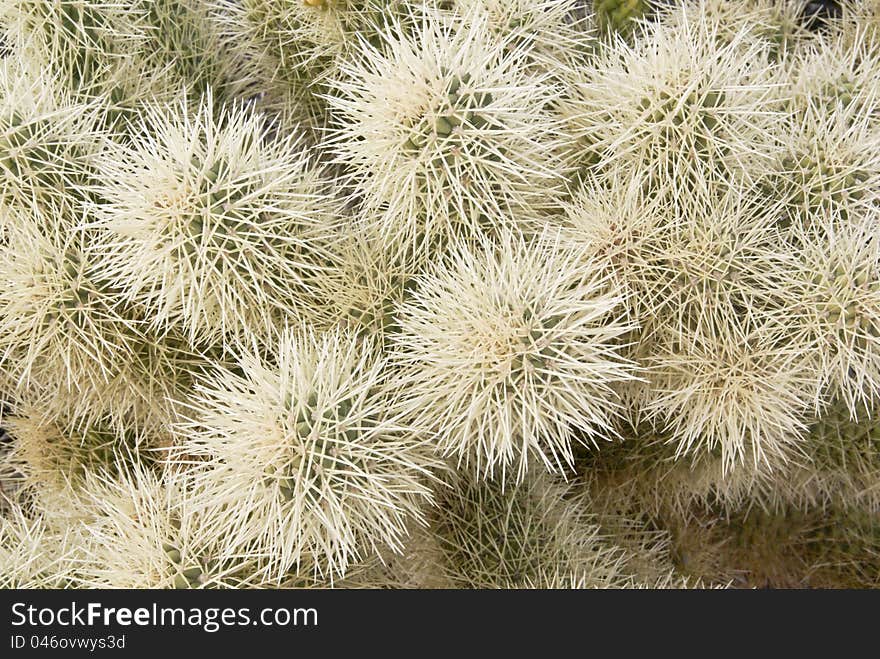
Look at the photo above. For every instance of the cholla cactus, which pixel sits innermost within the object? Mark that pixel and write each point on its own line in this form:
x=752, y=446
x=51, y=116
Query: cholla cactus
x=67, y=340
x=56, y=458
x=745, y=399
x=709, y=276
x=144, y=534
x=553, y=33
x=45, y=139
x=308, y=468
x=620, y=15
x=207, y=224
x=89, y=44
x=32, y=555
x=674, y=109
x=493, y=534
x=308, y=293
x=445, y=132
x=828, y=168
x=831, y=310
x=507, y=348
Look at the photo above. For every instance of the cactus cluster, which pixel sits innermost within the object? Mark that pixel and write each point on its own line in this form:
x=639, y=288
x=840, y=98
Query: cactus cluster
x=443, y=294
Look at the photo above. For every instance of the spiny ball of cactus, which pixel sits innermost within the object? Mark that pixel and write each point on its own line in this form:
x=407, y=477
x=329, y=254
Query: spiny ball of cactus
x=67, y=341
x=303, y=457
x=830, y=168
x=700, y=266
x=744, y=399
x=57, y=455
x=841, y=463
x=554, y=34
x=674, y=109
x=32, y=554
x=45, y=140
x=143, y=533
x=620, y=15
x=509, y=346
x=208, y=224
x=838, y=72
x=89, y=45
x=184, y=40
x=290, y=48
x=363, y=291
x=496, y=533
x=445, y=132
x=778, y=23
x=831, y=310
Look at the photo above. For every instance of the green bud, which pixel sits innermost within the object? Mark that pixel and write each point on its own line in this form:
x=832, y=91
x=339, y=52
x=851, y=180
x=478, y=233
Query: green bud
x=478, y=121
x=192, y=573
x=483, y=99
x=301, y=417
x=713, y=99
x=214, y=170
x=442, y=127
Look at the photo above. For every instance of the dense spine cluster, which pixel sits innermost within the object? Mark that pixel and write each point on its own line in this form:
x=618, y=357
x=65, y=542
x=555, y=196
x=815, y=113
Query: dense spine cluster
x=444, y=294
